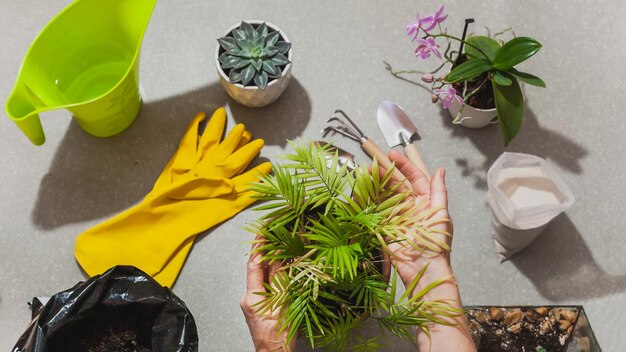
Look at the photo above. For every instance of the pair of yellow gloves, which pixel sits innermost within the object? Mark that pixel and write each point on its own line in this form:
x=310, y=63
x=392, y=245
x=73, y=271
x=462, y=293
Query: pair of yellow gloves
x=201, y=186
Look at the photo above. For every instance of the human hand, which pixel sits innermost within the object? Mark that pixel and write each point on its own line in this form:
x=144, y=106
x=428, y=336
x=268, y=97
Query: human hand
x=264, y=328
x=432, y=196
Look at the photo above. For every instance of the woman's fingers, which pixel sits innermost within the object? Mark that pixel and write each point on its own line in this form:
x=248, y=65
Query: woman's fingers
x=257, y=270
x=417, y=178
x=438, y=191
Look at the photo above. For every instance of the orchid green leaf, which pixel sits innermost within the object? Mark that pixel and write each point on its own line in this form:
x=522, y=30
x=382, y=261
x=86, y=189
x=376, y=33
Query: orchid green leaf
x=515, y=51
x=527, y=78
x=469, y=69
x=486, y=44
x=501, y=78
x=510, y=108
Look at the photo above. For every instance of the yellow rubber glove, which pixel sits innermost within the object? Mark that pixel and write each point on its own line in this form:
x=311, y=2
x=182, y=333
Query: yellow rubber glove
x=184, y=155
x=200, y=187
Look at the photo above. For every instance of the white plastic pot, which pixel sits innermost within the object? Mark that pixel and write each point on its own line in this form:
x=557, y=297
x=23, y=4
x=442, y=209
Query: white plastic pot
x=253, y=96
x=472, y=117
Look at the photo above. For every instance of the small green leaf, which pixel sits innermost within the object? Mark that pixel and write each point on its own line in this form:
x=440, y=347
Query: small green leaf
x=527, y=78
x=244, y=43
x=237, y=52
x=501, y=78
x=258, y=64
x=258, y=43
x=486, y=44
x=248, y=29
x=283, y=47
x=272, y=38
x=510, y=107
x=279, y=73
x=515, y=51
x=468, y=70
x=241, y=63
x=229, y=62
x=234, y=76
x=262, y=30
x=270, y=51
x=238, y=34
x=227, y=43
x=247, y=75
x=269, y=67
x=222, y=58
x=280, y=59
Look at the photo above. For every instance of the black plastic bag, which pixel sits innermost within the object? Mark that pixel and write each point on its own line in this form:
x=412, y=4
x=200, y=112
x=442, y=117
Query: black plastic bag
x=124, y=308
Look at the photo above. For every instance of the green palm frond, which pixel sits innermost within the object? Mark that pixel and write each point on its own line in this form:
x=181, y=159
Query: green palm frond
x=329, y=227
x=367, y=345
x=338, y=332
x=279, y=243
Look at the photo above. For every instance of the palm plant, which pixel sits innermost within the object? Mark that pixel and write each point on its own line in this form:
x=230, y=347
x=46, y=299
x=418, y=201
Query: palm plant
x=329, y=228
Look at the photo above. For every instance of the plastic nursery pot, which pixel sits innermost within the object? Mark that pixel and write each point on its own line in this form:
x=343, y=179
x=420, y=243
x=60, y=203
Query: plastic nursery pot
x=122, y=310
x=472, y=117
x=251, y=95
x=531, y=328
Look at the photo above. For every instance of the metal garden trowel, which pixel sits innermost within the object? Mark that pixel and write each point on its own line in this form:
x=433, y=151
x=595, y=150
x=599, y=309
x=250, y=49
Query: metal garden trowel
x=399, y=130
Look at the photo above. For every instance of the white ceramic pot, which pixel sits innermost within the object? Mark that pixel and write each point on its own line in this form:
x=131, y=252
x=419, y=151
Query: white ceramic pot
x=472, y=117
x=253, y=96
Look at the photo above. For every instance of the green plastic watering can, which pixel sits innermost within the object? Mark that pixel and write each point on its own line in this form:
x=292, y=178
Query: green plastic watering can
x=85, y=60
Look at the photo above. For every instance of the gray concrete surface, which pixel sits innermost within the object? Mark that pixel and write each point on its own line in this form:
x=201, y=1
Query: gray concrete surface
x=50, y=194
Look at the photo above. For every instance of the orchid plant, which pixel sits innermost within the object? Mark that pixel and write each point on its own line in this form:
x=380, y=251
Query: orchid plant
x=482, y=74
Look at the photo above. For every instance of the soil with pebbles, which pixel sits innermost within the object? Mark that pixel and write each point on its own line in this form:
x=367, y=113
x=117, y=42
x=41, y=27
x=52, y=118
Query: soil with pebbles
x=523, y=329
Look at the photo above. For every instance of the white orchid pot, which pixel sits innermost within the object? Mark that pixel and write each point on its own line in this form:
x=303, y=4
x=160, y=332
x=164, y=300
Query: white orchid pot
x=472, y=117
x=252, y=96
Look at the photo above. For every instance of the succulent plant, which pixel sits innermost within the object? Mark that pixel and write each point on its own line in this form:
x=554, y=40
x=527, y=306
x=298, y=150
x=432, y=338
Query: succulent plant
x=253, y=54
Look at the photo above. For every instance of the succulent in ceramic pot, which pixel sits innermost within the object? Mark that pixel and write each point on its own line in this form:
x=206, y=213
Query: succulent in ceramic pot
x=329, y=226
x=254, y=62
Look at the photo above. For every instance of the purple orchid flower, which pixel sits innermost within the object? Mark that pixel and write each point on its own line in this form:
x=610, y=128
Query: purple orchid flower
x=412, y=29
x=426, y=23
x=433, y=20
x=448, y=95
x=427, y=46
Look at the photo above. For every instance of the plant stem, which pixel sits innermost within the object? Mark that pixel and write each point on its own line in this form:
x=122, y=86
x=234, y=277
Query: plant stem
x=445, y=35
x=397, y=74
x=439, y=68
x=502, y=32
x=475, y=90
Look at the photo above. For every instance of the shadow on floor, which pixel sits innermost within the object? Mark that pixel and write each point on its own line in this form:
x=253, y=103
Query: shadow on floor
x=91, y=178
x=562, y=267
x=532, y=139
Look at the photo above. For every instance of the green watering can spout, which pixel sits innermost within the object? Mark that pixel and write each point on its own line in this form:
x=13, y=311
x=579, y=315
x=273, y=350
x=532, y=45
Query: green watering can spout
x=85, y=60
